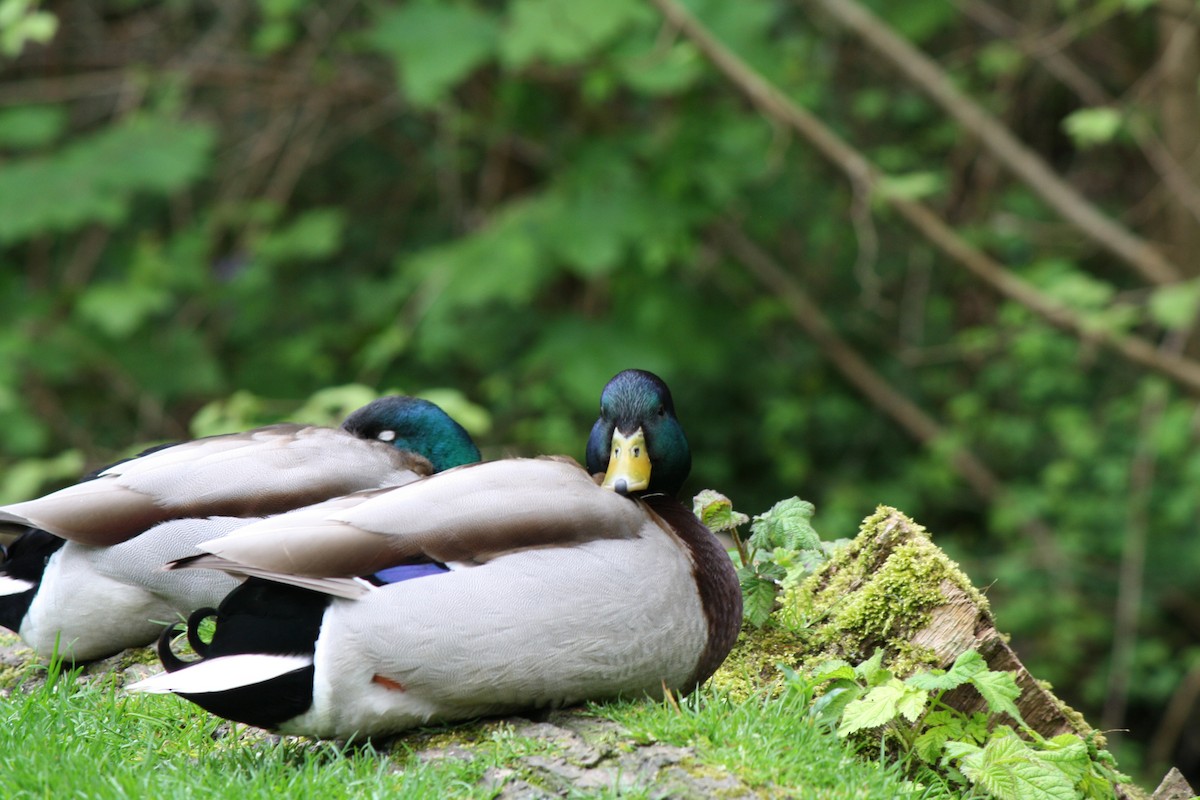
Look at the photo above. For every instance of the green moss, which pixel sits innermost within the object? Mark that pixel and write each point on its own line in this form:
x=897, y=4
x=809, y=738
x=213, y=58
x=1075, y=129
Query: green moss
x=876, y=593
x=446, y=738
x=11, y=676
x=753, y=664
x=136, y=656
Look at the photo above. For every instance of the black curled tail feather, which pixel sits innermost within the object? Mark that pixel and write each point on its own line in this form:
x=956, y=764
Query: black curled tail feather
x=193, y=630
x=170, y=661
x=258, y=617
x=166, y=655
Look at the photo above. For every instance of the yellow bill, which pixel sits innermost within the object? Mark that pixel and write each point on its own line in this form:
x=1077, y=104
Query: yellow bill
x=628, y=463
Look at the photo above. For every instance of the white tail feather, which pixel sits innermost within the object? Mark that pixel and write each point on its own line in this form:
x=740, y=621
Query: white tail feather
x=10, y=585
x=222, y=674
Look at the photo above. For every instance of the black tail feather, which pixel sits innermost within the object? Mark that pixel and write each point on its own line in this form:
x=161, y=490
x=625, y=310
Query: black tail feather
x=257, y=617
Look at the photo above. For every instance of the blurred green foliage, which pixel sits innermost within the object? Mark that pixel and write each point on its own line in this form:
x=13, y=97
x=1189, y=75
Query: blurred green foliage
x=211, y=213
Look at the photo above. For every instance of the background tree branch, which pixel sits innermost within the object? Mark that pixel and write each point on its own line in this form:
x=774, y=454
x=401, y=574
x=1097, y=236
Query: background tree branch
x=925, y=74
x=773, y=103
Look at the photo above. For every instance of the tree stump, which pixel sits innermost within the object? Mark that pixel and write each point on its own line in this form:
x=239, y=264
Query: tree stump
x=892, y=588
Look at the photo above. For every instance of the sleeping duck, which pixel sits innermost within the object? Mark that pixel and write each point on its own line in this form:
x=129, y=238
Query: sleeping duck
x=86, y=575
x=516, y=584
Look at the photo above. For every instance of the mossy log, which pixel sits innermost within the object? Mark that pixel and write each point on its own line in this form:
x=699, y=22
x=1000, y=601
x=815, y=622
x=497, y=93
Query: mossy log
x=893, y=588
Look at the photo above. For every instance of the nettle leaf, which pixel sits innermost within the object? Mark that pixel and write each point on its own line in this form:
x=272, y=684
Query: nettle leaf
x=833, y=670
x=715, y=510
x=928, y=746
x=1069, y=754
x=434, y=46
x=758, y=599
x=788, y=524
x=912, y=703
x=966, y=666
x=1008, y=769
x=1000, y=690
x=829, y=707
x=882, y=705
x=872, y=671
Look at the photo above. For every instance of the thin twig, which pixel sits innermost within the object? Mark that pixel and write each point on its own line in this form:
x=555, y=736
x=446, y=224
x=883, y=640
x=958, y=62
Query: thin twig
x=924, y=73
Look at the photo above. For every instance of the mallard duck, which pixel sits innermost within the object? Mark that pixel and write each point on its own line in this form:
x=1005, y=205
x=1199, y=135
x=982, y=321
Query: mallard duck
x=87, y=574
x=539, y=585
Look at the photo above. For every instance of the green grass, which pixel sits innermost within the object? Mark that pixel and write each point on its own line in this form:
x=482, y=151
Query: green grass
x=84, y=737
x=770, y=742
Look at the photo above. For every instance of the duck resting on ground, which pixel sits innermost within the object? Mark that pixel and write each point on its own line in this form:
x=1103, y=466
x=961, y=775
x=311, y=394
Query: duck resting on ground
x=86, y=575
x=538, y=588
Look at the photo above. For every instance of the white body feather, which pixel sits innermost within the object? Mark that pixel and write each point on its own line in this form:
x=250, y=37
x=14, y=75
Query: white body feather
x=95, y=601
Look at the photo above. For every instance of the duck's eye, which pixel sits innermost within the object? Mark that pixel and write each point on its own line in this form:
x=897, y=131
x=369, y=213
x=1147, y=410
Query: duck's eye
x=386, y=436
x=662, y=411
x=616, y=452
x=637, y=452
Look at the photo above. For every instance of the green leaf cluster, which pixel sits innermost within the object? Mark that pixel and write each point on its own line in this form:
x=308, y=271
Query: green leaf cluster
x=942, y=743
x=783, y=548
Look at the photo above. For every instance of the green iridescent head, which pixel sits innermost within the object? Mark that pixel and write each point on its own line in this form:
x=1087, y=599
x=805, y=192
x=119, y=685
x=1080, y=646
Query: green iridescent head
x=637, y=441
x=416, y=425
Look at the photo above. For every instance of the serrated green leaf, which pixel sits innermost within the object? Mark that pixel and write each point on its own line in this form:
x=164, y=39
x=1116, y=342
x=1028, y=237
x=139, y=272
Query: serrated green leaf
x=833, y=670
x=911, y=704
x=715, y=510
x=1000, y=690
x=1069, y=754
x=877, y=707
x=1008, y=769
x=758, y=599
x=434, y=46
x=829, y=707
x=872, y=671
x=788, y=524
x=968, y=664
x=962, y=750
x=977, y=727
x=928, y=746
